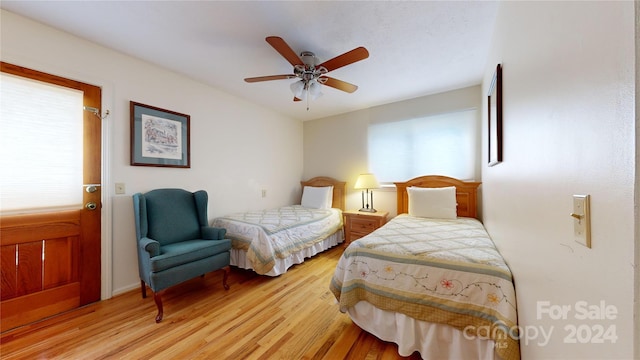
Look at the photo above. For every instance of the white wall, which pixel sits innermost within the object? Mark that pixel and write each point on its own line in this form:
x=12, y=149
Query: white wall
x=637, y=186
x=568, y=70
x=237, y=148
x=337, y=146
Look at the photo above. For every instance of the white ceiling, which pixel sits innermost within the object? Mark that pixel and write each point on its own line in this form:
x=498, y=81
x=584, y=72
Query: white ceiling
x=416, y=47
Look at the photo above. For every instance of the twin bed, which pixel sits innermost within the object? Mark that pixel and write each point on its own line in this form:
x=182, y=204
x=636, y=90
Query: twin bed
x=271, y=241
x=431, y=280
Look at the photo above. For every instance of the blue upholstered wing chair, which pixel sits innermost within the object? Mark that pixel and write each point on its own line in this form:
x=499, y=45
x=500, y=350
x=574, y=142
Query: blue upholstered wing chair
x=175, y=242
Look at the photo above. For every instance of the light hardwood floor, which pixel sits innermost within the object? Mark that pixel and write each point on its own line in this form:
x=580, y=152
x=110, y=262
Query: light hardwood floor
x=293, y=316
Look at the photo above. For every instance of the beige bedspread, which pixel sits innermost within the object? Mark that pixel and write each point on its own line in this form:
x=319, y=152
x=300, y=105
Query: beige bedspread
x=442, y=271
x=276, y=233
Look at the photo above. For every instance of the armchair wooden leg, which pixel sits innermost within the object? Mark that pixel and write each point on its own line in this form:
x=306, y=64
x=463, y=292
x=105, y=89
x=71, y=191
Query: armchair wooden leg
x=226, y=275
x=143, y=287
x=158, y=299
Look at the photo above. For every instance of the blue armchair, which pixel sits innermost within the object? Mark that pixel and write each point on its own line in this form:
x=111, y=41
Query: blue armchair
x=175, y=242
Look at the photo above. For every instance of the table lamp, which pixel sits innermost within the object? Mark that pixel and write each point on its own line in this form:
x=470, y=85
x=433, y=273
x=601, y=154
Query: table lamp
x=366, y=182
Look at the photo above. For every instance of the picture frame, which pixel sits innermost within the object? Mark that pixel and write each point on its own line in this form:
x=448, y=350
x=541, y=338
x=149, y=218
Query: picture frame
x=159, y=137
x=494, y=126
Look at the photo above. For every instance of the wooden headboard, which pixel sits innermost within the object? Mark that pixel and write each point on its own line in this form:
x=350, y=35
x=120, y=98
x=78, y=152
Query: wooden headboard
x=339, y=188
x=466, y=193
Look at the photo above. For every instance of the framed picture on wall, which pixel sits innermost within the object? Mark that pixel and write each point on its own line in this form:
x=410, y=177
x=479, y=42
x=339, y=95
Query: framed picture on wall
x=159, y=137
x=495, y=118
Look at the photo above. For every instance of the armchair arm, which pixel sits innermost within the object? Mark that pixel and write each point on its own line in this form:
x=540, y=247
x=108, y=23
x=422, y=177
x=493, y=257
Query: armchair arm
x=213, y=233
x=149, y=245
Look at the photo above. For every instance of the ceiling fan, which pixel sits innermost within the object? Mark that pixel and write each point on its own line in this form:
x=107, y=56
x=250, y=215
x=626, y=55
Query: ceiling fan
x=311, y=74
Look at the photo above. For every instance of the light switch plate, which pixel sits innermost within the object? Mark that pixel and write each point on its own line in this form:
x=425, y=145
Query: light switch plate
x=581, y=220
x=120, y=188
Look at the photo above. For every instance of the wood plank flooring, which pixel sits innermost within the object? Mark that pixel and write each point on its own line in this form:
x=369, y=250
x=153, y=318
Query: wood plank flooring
x=293, y=316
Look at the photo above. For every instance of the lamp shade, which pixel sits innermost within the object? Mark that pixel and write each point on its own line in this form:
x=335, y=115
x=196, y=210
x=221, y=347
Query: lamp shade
x=306, y=88
x=366, y=181
x=297, y=88
x=314, y=89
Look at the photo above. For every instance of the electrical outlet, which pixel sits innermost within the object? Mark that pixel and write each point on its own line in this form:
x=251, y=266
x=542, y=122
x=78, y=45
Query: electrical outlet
x=120, y=188
x=264, y=193
x=581, y=220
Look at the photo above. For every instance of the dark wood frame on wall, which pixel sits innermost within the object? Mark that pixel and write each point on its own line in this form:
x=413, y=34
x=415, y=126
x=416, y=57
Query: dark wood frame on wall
x=494, y=125
x=156, y=145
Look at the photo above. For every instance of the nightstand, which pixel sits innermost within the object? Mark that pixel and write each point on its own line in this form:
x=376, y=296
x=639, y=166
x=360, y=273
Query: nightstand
x=359, y=223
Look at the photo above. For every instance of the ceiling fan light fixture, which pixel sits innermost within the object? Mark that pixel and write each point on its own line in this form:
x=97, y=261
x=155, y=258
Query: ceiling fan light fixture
x=297, y=88
x=314, y=89
x=304, y=89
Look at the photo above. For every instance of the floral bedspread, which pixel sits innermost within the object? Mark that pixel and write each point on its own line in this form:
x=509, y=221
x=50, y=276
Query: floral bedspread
x=436, y=270
x=276, y=233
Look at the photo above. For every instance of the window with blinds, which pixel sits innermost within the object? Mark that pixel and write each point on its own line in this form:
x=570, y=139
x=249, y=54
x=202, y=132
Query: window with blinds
x=40, y=146
x=444, y=144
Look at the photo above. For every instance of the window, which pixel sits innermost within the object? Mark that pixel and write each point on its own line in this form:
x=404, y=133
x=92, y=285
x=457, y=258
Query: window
x=444, y=144
x=41, y=132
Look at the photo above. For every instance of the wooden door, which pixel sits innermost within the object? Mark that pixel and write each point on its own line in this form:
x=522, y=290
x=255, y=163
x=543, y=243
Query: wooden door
x=50, y=261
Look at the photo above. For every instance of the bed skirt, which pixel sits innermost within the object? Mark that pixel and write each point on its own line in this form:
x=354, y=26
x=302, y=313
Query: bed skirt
x=239, y=259
x=431, y=340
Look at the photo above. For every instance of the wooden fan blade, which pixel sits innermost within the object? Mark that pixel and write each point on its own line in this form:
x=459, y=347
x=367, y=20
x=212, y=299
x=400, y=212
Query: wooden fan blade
x=347, y=58
x=339, y=84
x=270, y=77
x=296, y=99
x=285, y=50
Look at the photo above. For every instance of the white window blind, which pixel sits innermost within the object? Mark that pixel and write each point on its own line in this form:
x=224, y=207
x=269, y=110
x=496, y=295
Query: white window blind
x=444, y=144
x=40, y=146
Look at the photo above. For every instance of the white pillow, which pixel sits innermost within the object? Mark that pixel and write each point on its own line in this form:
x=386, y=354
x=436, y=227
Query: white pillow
x=317, y=197
x=437, y=203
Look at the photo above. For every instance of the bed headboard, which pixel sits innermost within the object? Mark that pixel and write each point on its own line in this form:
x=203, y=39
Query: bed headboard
x=339, y=188
x=466, y=193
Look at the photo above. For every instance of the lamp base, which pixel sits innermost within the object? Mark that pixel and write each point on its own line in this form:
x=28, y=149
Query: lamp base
x=372, y=210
